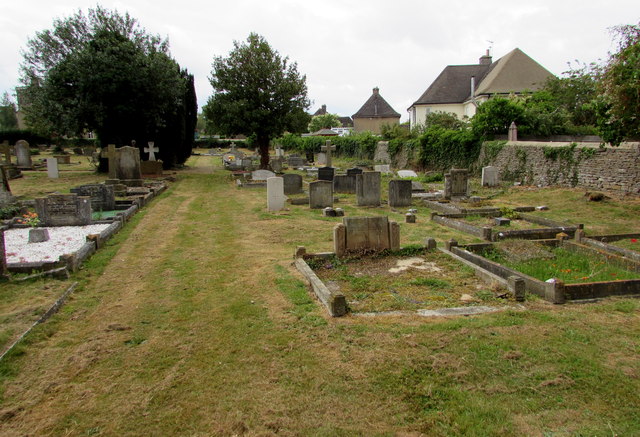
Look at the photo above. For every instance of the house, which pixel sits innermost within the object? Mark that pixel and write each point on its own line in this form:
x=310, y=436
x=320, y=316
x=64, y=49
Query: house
x=374, y=113
x=459, y=89
x=345, y=121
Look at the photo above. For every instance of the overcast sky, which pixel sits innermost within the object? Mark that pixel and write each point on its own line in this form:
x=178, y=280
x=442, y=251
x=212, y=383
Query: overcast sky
x=347, y=47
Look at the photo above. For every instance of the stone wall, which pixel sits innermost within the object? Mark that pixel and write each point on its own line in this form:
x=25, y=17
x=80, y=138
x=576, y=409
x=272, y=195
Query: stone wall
x=566, y=164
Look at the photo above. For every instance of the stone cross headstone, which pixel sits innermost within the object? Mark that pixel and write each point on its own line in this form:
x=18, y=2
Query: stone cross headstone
x=456, y=183
x=5, y=152
x=151, y=150
x=320, y=194
x=368, y=188
x=292, y=183
x=127, y=163
x=399, y=193
x=490, y=176
x=52, y=168
x=64, y=210
x=326, y=173
x=513, y=132
x=275, y=194
x=328, y=148
x=23, y=154
x=102, y=196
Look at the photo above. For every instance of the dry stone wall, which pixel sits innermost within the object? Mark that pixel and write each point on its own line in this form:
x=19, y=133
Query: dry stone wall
x=566, y=164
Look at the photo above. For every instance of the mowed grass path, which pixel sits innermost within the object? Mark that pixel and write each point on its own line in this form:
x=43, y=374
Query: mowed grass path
x=193, y=322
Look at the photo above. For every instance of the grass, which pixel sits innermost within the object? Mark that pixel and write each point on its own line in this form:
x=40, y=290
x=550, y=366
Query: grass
x=628, y=243
x=193, y=321
x=566, y=265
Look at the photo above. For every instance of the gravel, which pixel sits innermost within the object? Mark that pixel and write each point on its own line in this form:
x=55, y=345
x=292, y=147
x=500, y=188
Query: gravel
x=62, y=240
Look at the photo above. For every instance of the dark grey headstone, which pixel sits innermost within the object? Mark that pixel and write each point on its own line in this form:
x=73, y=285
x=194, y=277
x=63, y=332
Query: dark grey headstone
x=102, y=196
x=368, y=188
x=326, y=173
x=354, y=171
x=343, y=183
x=399, y=193
x=292, y=183
x=23, y=154
x=320, y=194
x=456, y=183
x=64, y=210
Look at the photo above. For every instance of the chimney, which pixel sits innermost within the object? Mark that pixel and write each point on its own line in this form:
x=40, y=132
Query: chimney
x=473, y=86
x=324, y=109
x=376, y=90
x=486, y=59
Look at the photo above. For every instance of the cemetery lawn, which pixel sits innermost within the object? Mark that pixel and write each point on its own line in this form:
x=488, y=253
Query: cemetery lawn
x=192, y=321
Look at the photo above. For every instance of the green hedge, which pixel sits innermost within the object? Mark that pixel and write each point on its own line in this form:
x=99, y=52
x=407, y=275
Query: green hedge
x=441, y=148
x=209, y=143
x=15, y=135
x=360, y=145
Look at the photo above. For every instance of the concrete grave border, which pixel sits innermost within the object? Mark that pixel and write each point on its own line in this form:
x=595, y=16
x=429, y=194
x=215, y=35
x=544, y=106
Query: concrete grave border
x=600, y=242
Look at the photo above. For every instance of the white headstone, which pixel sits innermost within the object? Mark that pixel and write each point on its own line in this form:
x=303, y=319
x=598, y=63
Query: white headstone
x=275, y=194
x=383, y=168
x=490, y=176
x=407, y=174
x=279, y=152
x=52, y=168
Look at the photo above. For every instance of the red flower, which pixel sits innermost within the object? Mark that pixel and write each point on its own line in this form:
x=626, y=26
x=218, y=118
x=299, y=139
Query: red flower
x=634, y=240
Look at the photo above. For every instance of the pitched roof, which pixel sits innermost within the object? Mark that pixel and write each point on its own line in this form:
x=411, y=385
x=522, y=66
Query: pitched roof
x=321, y=111
x=514, y=72
x=376, y=107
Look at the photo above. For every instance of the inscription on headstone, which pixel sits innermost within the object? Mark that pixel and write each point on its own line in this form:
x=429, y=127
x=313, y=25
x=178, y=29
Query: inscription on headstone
x=490, y=176
x=102, y=196
x=456, y=183
x=64, y=210
x=320, y=194
x=368, y=188
x=399, y=193
x=292, y=183
x=23, y=154
x=326, y=173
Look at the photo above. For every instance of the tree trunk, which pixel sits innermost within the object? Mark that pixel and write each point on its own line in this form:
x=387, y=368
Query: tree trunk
x=263, y=149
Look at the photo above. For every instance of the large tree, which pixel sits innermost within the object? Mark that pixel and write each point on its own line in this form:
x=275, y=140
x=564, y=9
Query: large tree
x=102, y=72
x=324, y=121
x=8, y=118
x=257, y=93
x=621, y=86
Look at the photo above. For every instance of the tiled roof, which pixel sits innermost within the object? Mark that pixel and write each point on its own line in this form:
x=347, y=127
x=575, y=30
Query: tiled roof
x=376, y=107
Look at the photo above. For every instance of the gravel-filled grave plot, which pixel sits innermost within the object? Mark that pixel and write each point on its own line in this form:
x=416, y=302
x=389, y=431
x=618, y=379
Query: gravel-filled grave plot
x=62, y=240
x=429, y=280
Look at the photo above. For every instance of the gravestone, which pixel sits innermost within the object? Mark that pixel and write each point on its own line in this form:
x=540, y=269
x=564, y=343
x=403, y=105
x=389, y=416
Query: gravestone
x=52, y=168
x=23, y=154
x=308, y=156
x=456, y=183
x=321, y=158
x=344, y=183
x=5, y=192
x=246, y=164
x=64, y=210
x=279, y=152
x=151, y=150
x=320, y=194
x=262, y=175
x=357, y=234
x=102, y=196
x=275, y=194
x=383, y=168
x=399, y=193
x=382, y=152
x=368, y=188
x=327, y=149
x=326, y=173
x=354, y=171
x=407, y=174
x=111, y=156
x=63, y=159
x=490, y=176
x=295, y=161
x=513, y=132
x=5, y=153
x=276, y=165
x=127, y=163
x=292, y=183
x=151, y=168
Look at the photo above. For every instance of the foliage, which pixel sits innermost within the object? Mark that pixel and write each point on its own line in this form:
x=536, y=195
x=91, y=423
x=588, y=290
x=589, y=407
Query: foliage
x=442, y=148
x=257, y=92
x=621, y=85
x=8, y=118
x=358, y=145
x=14, y=135
x=31, y=219
x=102, y=72
x=8, y=211
x=324, y=121
x=494, y=117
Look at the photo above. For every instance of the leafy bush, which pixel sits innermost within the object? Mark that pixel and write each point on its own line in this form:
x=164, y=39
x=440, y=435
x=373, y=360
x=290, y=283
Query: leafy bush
x=15, y=135
x=359, y=145
x=442, y=148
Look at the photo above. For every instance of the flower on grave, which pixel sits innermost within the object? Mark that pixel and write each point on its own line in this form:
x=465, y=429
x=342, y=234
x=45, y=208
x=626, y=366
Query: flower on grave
x=31, y=219
x=634, y=240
